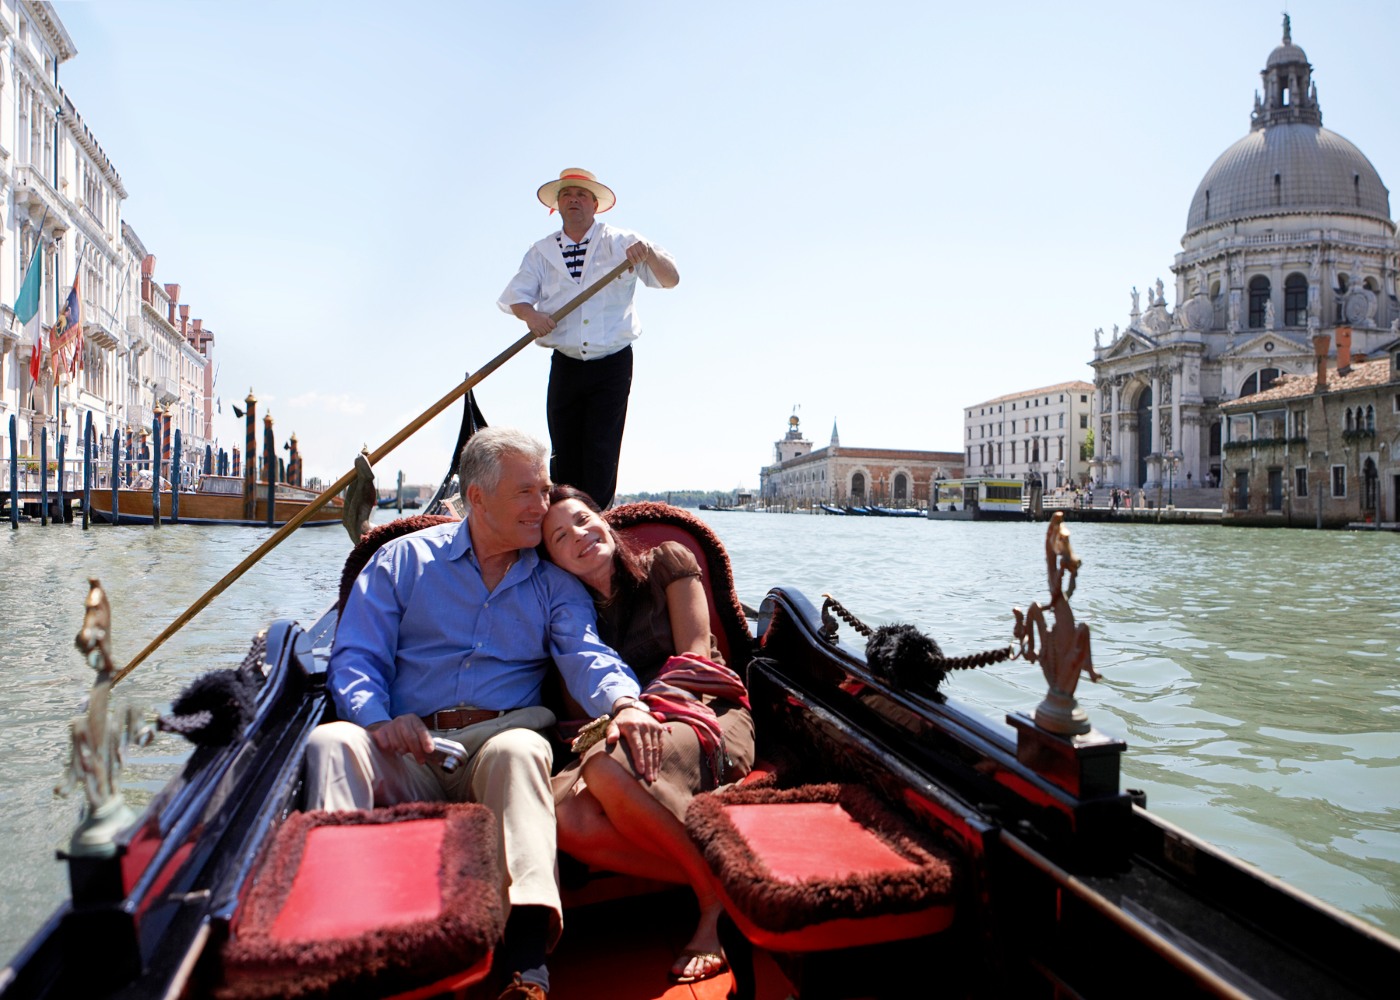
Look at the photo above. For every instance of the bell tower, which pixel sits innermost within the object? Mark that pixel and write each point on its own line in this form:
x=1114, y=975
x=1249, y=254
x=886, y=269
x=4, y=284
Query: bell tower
x=1289, y=92
x=793, y=444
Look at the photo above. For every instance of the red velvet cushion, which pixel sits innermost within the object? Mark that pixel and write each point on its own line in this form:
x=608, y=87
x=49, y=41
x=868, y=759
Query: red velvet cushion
x=379, y=902
x=820, y=867
x=800, y=841
x=354, y=879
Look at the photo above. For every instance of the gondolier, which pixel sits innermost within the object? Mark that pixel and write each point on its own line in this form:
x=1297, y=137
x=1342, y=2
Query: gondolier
x=590, y=374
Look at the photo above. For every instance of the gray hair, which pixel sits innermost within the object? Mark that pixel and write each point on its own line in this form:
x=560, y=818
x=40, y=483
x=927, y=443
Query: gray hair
x=485, y=450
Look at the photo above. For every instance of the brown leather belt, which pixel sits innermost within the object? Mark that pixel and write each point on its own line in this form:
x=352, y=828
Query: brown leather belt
x=459, y=718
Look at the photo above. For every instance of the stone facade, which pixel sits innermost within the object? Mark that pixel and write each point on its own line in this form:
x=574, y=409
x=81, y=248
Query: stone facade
x=1035, y=433
x=140, y=350
x=836, y=474
x=1288, y=235
x=1318, y=451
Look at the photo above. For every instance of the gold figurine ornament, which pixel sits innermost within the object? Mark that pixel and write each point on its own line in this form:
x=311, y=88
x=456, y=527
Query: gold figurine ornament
x=1062, y=650
x=99, y=748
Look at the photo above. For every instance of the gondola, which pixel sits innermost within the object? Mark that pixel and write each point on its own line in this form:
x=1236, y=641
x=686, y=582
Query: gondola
x=216, y=500
x=954, y=856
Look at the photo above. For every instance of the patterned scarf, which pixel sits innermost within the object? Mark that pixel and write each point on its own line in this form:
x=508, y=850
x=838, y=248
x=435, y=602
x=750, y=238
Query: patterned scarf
x=675, y=695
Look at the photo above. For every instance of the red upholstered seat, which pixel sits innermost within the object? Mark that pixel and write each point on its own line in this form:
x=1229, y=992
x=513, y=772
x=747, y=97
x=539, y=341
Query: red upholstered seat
x=405, y=900
x=820, y=867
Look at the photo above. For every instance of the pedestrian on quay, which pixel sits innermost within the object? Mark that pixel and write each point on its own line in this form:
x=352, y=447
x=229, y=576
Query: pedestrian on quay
x=590, y=374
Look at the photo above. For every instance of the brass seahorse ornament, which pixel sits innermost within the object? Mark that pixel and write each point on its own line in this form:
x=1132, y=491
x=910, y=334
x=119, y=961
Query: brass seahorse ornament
x=1062, y=650
x=98, y=747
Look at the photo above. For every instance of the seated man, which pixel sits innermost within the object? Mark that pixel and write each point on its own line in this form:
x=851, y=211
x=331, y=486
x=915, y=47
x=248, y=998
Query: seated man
x=448, y=632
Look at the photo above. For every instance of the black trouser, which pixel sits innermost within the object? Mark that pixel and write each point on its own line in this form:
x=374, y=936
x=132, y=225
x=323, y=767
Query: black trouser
x=587, y=410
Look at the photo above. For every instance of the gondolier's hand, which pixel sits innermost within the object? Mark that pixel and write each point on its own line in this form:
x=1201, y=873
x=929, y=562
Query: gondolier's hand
x=539, y=323
x=639, y=252
x=403, y=735
x=635, y=724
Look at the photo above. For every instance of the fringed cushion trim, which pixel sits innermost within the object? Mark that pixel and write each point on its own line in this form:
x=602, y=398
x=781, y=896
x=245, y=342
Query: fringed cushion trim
x=392, y=959
x=781, y=906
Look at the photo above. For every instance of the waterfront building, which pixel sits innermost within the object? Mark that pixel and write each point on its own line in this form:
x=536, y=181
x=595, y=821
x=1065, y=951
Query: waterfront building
x=837, y=474
x=1288, y=235
x=1038, y=433
x=139, y=349
x=1318, y=450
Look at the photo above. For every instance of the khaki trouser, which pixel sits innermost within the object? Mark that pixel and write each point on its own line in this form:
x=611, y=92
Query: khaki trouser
x=507, y=770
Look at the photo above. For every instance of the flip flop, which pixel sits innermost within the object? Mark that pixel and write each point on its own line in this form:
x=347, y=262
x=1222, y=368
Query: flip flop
x=719, y=966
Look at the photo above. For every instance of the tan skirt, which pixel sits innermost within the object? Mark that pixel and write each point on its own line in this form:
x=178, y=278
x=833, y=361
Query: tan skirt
x=684, y=772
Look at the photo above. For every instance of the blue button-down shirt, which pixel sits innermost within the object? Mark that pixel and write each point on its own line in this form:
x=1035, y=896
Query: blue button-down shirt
x=421, y=633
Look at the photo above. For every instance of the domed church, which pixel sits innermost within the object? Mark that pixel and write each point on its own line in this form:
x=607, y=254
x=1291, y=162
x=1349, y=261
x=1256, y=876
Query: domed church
x=1289, y=235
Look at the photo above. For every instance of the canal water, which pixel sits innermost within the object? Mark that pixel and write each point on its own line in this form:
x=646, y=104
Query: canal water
x=1255, y=674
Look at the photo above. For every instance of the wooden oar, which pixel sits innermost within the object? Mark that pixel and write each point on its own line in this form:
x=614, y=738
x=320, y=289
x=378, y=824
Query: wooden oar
x=403, y=435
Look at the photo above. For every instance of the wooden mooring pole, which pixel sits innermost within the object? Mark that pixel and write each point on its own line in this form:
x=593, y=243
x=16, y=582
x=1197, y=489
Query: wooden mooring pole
x=14, y=474
x=62, y=447
x=44, y=476
x=175, y=481
x=155, y=469
x=87, y=470
x=270, y=469
x=116, y=473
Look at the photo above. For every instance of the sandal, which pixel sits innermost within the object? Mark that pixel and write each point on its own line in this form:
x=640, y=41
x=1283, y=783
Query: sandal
x=714, y=966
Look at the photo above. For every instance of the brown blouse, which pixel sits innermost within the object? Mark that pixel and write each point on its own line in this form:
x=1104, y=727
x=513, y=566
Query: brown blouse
x=638, y=626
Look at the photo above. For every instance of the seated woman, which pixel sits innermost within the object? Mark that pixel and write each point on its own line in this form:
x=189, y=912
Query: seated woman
x=652, y=610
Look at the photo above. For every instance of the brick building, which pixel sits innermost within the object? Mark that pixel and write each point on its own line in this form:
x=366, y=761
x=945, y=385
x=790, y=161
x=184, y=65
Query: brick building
x=1317, y=451
x=801, y=476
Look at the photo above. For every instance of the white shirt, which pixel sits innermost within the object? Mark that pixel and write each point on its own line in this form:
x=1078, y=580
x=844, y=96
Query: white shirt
x=607, y=322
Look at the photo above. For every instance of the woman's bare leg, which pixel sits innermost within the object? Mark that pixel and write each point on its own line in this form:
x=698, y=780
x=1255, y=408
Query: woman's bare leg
x=644, y=822
x=586, y=833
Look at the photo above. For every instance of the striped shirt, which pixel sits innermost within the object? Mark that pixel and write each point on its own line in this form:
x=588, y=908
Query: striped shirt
x=573, y=254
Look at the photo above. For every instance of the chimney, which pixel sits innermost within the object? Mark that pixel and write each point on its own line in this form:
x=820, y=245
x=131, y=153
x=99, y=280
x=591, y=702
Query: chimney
x=148, y=272
x=184, y=320
x=174, y=292
x=1343, y=350
x=1322, y=343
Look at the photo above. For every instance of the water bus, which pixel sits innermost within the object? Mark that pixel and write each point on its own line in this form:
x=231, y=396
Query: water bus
x=977, y=499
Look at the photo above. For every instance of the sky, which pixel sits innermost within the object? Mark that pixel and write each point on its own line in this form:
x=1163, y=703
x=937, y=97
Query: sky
x=882, y=212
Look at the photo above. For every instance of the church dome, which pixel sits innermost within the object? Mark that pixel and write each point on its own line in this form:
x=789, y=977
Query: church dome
x=1289, y=163
x=1288, y=168
x=1285, y=54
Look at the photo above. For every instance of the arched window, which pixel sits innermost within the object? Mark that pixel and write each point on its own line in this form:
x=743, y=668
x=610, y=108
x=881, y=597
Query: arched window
x=1350, y=425
x=1295, y=301
x=1370, y=418
x=1258, y=301
x=858, y=486
x=1259, y=381
x=901, y=486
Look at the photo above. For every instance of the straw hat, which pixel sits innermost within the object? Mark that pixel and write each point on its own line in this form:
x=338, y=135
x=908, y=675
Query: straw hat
x=576, y=177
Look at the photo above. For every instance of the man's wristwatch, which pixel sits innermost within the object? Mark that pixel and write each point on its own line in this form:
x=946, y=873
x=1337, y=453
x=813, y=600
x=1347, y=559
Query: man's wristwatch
x=636, y=703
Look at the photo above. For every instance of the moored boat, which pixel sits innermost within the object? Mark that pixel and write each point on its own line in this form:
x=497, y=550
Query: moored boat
x=1051, y=879
x=216, y=500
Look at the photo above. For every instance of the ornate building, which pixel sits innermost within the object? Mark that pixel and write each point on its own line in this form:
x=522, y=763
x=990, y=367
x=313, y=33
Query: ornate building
x=836, y=474
x=1288, y=235
x=140, y=353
